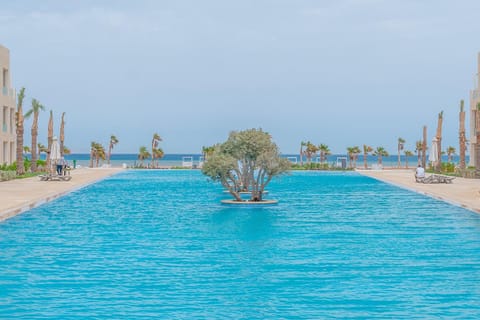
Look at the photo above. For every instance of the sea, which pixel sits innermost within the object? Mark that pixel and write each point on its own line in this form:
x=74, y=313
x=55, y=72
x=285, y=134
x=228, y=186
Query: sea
x=193, y=159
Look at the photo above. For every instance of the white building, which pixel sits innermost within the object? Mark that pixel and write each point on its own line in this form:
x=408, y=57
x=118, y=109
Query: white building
x=7, y=112
x=474, y=100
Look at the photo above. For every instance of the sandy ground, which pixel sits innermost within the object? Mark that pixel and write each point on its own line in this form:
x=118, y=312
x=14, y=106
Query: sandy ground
x=462, y=192
x=17, y=196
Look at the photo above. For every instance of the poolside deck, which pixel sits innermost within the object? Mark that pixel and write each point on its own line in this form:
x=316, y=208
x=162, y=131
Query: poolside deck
x=461, y=192
x=21, y=195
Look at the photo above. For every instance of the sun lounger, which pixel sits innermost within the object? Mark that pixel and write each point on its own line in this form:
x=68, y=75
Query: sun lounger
x=435, y=178
x=54, y=177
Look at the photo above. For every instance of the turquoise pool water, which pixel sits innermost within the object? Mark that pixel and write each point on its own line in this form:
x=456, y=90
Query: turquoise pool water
x=157, y=244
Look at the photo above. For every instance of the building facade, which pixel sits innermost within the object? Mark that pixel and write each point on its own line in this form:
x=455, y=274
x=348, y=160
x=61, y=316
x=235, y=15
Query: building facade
x=7, y=110
x=474, y=101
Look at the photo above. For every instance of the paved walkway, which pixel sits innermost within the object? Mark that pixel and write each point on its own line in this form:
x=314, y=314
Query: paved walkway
x=461, y=192
x=19, y=195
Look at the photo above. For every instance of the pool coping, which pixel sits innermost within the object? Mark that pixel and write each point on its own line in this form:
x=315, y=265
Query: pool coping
x=97, y=176
x=426, y=189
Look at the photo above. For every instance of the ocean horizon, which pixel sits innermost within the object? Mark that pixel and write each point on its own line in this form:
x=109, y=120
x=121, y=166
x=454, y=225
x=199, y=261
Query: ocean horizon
x=177, y=159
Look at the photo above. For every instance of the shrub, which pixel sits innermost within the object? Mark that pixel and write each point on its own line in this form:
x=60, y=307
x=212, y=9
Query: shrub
x=7, y=175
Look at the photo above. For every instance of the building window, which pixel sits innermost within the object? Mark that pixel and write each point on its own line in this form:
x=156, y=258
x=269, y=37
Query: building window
x=12, y=119
x=4, y=119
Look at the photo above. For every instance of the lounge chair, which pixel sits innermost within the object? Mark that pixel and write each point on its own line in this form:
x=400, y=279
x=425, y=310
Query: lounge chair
x=435, y=178
x=54, y=177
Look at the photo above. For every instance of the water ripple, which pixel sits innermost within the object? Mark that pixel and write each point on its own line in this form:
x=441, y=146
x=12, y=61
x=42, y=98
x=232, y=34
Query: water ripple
x=158, y=244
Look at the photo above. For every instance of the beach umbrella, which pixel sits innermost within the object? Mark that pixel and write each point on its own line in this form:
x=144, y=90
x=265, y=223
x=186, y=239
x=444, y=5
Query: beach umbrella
x=433, y=155
x=55, y=154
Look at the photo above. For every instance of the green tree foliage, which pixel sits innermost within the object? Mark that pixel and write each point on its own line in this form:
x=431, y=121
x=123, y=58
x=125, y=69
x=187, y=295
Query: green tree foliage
x=247, y=161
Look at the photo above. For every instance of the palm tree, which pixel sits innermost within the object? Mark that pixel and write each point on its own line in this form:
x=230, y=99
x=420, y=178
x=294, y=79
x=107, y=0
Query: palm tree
x=143, y=154
x=50, y=137
x=310, y=151
x=407, y=154
x=302, y=144
x=462, y=137
x=450, y=152
x=155, y=141
x=353, y=153
x=66, y=150
x=26, y=149
x=424, y=147
x=439, y=140
x=62, y=134
x=207, y=152
x=418, y=149
x=99, y=153
x=111, y=144
x=20, y=130
x=157, y=153
x=324, y=152
x=35, y=110
x=41, y=148
x=93, y=152
x=366, y=151
x=380, y=152
x=401, y=143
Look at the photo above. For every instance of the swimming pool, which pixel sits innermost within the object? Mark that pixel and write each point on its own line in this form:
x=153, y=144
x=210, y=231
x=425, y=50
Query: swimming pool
x=146, y=244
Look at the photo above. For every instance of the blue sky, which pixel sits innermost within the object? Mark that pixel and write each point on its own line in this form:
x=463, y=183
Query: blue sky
x=342, y=73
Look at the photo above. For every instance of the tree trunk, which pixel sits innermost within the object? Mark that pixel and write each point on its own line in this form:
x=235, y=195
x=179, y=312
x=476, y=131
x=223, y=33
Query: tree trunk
x=33, y=165
x=62, y=134
x=424, y=147
x=91, y=159
x=20, y=130
x=50, y=138
x=109, y=153
x=439, y=141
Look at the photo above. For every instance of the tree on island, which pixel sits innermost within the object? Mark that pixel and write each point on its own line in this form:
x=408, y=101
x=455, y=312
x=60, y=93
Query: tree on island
x=246, y=162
